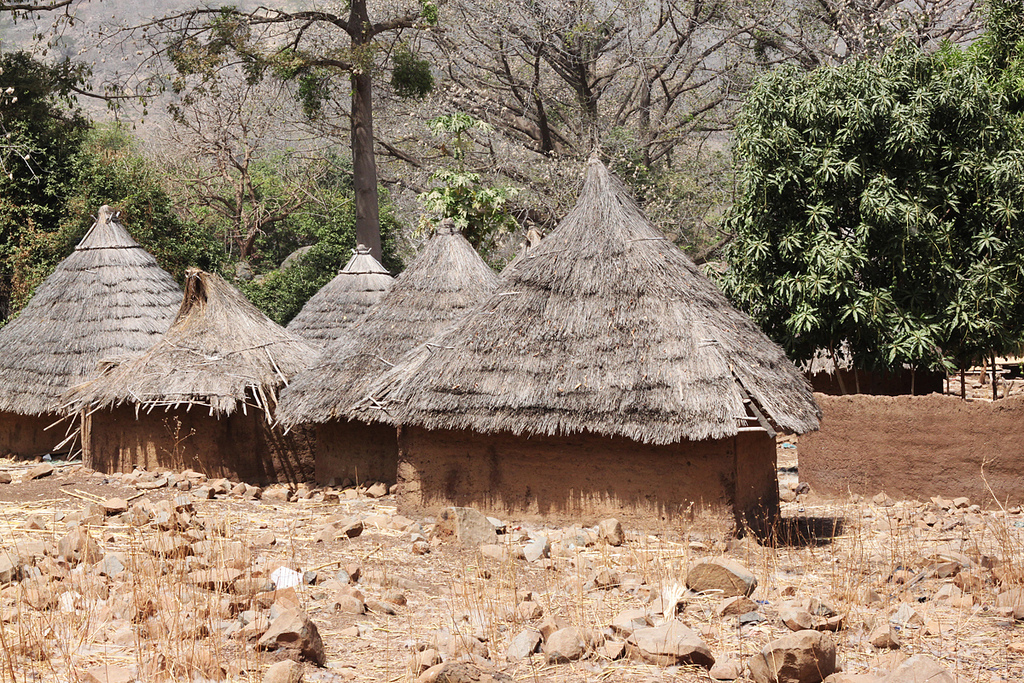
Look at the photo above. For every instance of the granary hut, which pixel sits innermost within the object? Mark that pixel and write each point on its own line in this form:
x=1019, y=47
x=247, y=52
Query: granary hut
x=344, y=300
x=445, y=279
x=202, y=396
x=605, y=374
x=108, y=298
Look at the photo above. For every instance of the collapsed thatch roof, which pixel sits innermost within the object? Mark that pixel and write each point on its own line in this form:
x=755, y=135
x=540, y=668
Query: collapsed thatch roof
x=108, y=298
x=604, y=327
x=343, y=301
x=445, y=279
x=220, y=352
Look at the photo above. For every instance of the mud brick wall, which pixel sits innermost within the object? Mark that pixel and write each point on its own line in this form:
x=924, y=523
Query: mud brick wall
x=356, y=451
x=27, y=436
x=917, y=447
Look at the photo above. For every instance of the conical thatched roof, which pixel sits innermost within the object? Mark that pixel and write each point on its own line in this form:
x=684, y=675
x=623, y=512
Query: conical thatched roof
x=343, y=301
x=220, y=352
x=108, y=298
x=604, y=327
x=445, y=279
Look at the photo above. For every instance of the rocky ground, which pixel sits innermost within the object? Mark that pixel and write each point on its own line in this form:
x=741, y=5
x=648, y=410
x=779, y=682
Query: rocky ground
x=155, y=577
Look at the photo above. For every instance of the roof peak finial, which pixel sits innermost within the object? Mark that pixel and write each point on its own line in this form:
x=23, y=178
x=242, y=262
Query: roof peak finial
x=106, y=214
x=447, y=227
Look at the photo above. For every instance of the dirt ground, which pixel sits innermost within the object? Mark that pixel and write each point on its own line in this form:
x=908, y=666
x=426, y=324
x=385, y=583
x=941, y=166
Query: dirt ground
x=156, y=621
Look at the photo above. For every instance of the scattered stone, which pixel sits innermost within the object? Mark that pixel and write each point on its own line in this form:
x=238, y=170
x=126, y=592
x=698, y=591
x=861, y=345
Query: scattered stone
x=538, y=548
x=629, y=620
x=528, y=610
x=565, y=645
x=352, y=529
x=462, y=672
x=41, y=470
x=905, y=615
x=420, y=548
x=9, y=570
x=796, y=619
x=466, y=525
x=604, y=578
x=724, y=575
x=111, y=565
x=884, y=637
x=610, y=531
x=671, y=644
x=378, y=490
x=424, y=659
x=726, y=670
x=735, y=606
x=285, y=671
x=296, y=634
x=867, y=596
x=6, y=478
x=108, y=674
x=220, y=579
x=265, y=538
x=614, y=649
x=169, y=545
x=920, y=669
x=78, y=546
x=114, y=506
x=801, y=657
x=524, y=644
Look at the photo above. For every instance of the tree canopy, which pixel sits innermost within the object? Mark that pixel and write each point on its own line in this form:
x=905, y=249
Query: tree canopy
x=880, y=208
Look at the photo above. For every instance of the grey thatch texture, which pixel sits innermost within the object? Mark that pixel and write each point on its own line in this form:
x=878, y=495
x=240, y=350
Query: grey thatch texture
x=604, y=327
x=108, y=298
x=445, y=279
x=220, y=352
x=344, y=300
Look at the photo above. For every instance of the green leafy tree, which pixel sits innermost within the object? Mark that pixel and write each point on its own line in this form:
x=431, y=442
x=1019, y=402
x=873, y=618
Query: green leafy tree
x=880, y=206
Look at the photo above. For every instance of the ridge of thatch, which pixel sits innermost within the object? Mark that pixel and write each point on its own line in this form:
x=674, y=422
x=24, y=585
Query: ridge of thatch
x=108, y=298
x=445, y=279
x=344, y=300
x=220, y=352
x=604, y=327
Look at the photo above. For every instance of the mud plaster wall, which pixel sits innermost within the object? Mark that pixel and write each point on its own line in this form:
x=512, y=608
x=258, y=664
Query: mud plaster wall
x=356, y=451
x=239, y=447
x=878, y=383
x=916, y=447
x=26, y=435
x=585, y=477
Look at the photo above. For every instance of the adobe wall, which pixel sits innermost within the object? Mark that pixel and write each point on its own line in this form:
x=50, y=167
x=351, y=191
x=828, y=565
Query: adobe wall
x=916, y=447
x=585, y=477
x=356, y=451
x=239, y=447
x=879, y=383
x=26, y=436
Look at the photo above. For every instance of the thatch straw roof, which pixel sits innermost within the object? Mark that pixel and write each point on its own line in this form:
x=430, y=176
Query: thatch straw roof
x=108, y=298
x=445, y=279
x=343, y=301
x=220, y=352
x=604, y=327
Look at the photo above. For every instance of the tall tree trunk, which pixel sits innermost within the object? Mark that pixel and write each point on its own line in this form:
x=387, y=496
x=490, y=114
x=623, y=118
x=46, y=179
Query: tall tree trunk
x=364, y=163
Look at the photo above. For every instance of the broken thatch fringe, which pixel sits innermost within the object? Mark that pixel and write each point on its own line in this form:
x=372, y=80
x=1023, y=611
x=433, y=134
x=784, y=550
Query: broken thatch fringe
x=445, y=279
x=108, y=298
x=220, y=353
x=604, y=327
x=344, y=300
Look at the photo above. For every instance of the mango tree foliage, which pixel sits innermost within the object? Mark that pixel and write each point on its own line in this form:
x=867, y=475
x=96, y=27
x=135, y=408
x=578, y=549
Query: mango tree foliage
x=880, y=205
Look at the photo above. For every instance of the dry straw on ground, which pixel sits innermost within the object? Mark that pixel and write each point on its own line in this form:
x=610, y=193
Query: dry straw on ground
x=108, y=298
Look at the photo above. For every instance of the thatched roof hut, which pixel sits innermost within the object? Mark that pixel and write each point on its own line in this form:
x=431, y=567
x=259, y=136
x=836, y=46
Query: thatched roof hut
x=344, y=300
x=220, y=355
x=604, y=327
x=108, y=298
x=445, y=279
x=604, y=373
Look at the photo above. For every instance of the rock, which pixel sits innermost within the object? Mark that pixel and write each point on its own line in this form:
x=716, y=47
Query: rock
x=524, y=644
x=347, y=603
x=285, y=671
x=295, y=633
x=376, y=491
x=905, y=615
x=604, y=578
x=786, y=494
x=671, y=644
x=78, y=546
x=629, y=620
x=220, y=579
x=867, y=596
x=114, y=506
x=565, y=645
x=6, y=478
x=462, y=672
x=538, y=548
x=920, y=669
x=169, y=545
x=111, y=565
x=610, y=531
x=726, y=670
x=528, y=610
x=614, y=649
x=108, y=674
x=9, y=569
x=735, y=606
x=852, y=678
x=420, y=548
x=727, y=576
x=884, y=637
x=424, y=659
x=801, y=657
x=466, y=525
x=352, y=529
x=265, y=538
x=43, y=469
x=796, y=619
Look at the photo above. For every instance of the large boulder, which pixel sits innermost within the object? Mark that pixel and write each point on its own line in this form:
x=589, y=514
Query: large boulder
x=671, y=644
x=801, y=657
x=294, y=633
x=470, y=527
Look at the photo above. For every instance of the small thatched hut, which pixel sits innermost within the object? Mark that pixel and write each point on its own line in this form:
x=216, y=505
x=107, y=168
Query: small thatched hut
x=343, y=301
x=108, y=298
x=605, y=374
x=445, y=279
x=203, y=396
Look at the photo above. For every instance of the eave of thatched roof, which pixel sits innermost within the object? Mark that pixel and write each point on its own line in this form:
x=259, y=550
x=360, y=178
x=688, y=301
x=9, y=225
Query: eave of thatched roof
x=604, y=327
x=108, y=298
x=445, y=279
x=220, y=352
x=344, y=300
